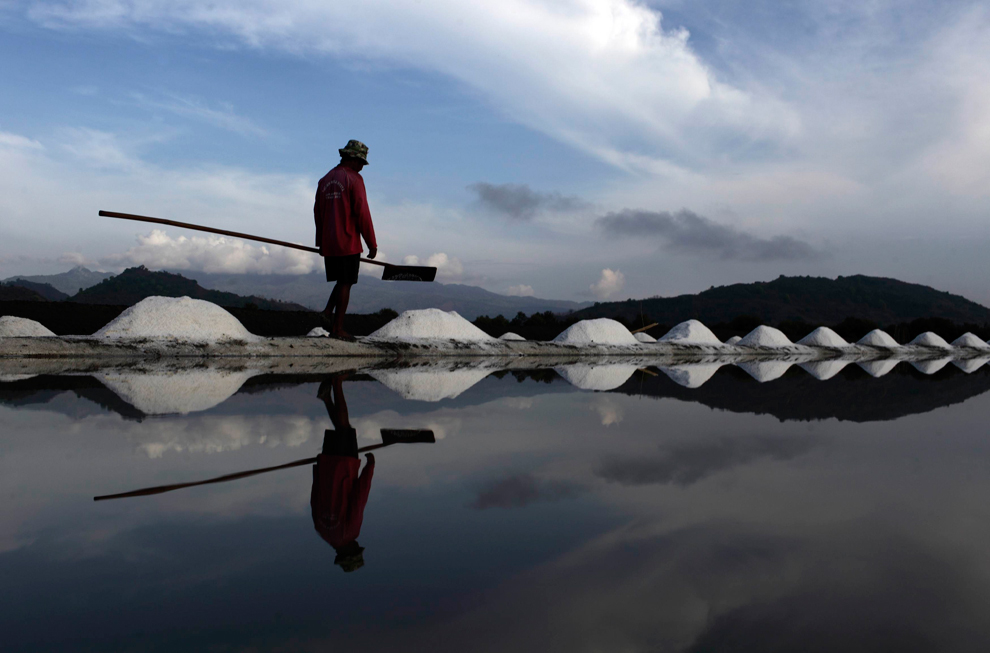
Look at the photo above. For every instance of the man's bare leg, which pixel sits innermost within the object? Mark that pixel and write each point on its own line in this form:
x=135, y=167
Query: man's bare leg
x=343, y=292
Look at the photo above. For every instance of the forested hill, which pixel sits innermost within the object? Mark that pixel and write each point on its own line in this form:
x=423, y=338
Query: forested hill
x=134, y=284
x=815, y=300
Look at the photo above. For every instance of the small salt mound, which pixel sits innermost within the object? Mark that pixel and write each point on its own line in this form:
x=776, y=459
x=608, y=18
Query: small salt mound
x=691, y=332
x=644, y=337
x=176, y=318
x=824, y=370
x=877, y=338
x=929, y=339
x=876, y=369
x=971, y=341
x=602, y=331
x=691, y=375
x=601, y=377
x=823, y=337
x=429, y=384
x=430, y=324
x=764, y=371
x=19, y=327
x=930, y=366
x=764, y=336
x=970, y=365
x=733, y=340
x=186, y=391
x=318, y=332
x=510, y=336
x=10, y=378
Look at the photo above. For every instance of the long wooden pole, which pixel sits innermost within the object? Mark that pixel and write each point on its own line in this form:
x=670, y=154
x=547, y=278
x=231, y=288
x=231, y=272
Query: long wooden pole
x=222, y=232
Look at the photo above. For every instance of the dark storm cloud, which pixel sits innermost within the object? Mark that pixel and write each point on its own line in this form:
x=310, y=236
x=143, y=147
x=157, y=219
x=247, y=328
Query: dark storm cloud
x=689, y=463
x=688, y=232
x=520, y=202
x=521, y=490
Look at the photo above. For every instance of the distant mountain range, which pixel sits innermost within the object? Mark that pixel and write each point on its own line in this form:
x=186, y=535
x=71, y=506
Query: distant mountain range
x=371, y=294
x=814, y=300
x=68, y=283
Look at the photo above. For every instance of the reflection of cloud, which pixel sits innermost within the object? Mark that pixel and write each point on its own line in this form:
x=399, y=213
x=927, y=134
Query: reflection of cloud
x=521, y=490
x=210, y=434
x=609, y=410
x=685, y=464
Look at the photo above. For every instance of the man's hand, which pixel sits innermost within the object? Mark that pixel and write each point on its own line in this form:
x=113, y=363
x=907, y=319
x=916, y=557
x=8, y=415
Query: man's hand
x=370, y=457
x=373, y=252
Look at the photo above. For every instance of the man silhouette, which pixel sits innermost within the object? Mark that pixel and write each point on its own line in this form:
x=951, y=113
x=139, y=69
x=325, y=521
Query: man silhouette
x=339, y=494
x=342, y=219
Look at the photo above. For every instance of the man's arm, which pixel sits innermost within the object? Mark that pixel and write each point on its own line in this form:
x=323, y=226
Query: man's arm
x=362, y=215
x=318, y=217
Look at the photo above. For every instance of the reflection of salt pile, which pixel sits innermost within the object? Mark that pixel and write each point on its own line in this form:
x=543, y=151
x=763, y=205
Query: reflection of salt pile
x=644, y=337
x=824, y=370
x=430, y=324
x=602, y=377
x=429, y=384
x=691, y=375
x=877, y=338
x=970, y=365
x=691, y=332
x=823, y=337
x=510, y=336
x=19, y=327
x=733, y=340
x=930, y=366
x=318, y=332
x=929, y=339
x=876, y=369
x=764, y=371
x=971, y=341
x=601, y=331
x=176, y=318
x=186, y=391
x=764, y=336
x=10, y=378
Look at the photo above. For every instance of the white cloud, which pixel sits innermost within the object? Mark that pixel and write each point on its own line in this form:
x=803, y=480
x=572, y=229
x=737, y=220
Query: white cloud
x=16, y=141
x=608, y=284
x=602, y=75
x=158, y=251
x=522, y=290
x=448, y=268
x=223, y=117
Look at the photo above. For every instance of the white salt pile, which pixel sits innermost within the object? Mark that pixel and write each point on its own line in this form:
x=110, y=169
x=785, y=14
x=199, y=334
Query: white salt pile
x=19, y=327
x=930, y=366
x=764, y=336
x=601, y=331
x=971, y=341
x=600, y=377
x=644, y=337
x=823, y=337
x=176, y=318
x=929, y=339
x=318, y=332
x=10, y=378
x=877, y=338
x=876, y=369
x=429, y=383
x=693, y=375
x=185, y=391
x=970, y=365
x=430, y=324
x=691, y=332
x=733, y=340
x=510, y=336
x=824, y=370
x=764, y=371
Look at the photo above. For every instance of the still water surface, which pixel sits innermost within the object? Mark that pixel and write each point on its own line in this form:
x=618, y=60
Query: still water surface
x=797, y=515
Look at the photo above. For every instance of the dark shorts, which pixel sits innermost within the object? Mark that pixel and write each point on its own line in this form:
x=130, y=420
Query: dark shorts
x=343, y=268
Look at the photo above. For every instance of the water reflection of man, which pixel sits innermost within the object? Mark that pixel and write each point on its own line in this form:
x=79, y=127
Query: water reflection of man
x=339, y=493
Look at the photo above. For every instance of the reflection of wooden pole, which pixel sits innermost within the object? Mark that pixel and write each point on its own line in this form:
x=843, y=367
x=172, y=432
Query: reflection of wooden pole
x=646, y=328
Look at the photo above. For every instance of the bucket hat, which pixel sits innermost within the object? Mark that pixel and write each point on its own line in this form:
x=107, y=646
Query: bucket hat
x=356, y=149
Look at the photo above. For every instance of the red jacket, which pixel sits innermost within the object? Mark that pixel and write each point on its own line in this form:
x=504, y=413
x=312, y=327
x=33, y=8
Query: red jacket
x=339, y=497
x=342, y=214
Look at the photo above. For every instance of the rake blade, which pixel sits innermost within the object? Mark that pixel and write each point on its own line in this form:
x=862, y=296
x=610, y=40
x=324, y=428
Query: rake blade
x=409, y=273
x=407, y=436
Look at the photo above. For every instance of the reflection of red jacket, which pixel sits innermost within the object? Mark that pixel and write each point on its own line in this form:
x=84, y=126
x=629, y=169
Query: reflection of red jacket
x=342, y=215
x=339, y=497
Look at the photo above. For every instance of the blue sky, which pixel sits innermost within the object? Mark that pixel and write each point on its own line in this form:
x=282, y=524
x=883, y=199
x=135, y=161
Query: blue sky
x=565, y=148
